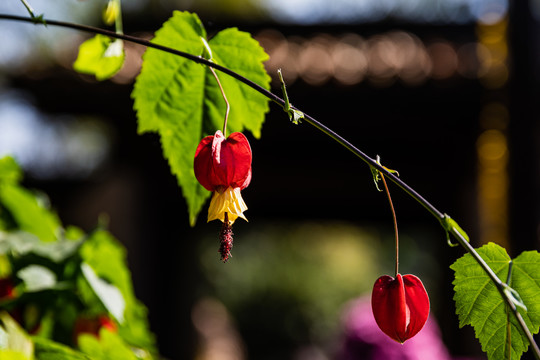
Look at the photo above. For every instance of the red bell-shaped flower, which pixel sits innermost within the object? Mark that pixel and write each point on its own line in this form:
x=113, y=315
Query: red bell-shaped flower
x=224, y=167
x=400, y=306
x=220, y=162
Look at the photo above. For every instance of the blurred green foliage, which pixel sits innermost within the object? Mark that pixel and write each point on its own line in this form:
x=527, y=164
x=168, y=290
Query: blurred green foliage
x=100, y=56
x=287, y=283
x=70, y=290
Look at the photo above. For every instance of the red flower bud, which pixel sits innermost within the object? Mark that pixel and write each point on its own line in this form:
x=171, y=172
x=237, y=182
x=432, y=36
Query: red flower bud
x=400, y=306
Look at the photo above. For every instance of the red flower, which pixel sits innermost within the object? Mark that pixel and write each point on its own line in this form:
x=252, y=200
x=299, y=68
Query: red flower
x=223, y=166
x=400, y=306
x=92, y=325
x=220, y=163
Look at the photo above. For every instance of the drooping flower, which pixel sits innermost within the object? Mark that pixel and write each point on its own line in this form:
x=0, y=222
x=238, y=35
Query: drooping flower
x=223, y=166
x=400, y=306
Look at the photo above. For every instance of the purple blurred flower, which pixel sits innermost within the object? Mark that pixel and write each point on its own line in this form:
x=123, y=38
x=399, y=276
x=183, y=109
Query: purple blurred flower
x=364, y=340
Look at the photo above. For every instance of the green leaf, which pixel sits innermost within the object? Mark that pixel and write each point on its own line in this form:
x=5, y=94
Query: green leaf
x=29, y=214
x=9, y=170
x=109, y=294
x=37, y=278
x=20, y=243
x=100, y=56
x=108, y=346
x=181, y=100
x=46, y=349
x=14, y=341
x=13, y=355
x=107, y=257
x=10, y=173
x=241, y=53
x=479, y=304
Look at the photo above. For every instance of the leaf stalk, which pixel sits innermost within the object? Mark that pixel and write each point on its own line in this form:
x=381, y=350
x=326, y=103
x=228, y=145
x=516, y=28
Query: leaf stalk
x=226, y=102
x=118, y=23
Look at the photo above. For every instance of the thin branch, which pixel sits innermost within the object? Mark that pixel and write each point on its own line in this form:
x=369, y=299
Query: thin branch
x=371, y=162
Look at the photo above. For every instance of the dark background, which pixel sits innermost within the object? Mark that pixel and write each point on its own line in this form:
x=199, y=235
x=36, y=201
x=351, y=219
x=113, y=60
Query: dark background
x=428, y=132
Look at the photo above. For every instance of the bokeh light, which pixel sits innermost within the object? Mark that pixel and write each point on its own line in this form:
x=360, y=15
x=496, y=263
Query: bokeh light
x=350, y=59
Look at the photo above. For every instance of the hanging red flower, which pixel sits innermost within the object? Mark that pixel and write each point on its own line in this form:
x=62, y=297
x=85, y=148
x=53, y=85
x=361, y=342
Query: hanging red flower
x=400, y=306
x=223, y=166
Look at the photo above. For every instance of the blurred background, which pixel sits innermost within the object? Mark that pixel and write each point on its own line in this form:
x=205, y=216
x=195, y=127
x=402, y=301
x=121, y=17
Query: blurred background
x=444, y=91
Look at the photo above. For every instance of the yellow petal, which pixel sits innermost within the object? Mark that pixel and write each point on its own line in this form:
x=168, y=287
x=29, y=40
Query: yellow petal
x=229, y=201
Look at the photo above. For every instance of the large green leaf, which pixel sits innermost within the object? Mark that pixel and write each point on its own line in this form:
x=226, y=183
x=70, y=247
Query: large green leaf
x=181, y=100
x=479, y=304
